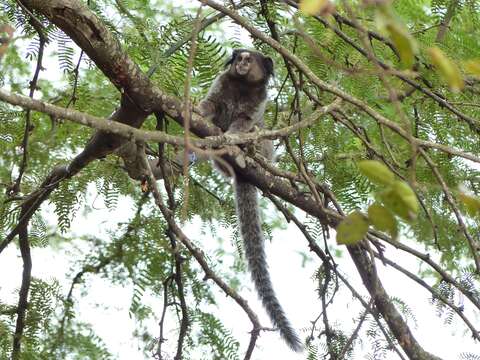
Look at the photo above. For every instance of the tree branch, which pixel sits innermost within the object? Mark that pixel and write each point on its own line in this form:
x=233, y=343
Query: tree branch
x=24, y=289
x=198, y=255
x=444, y=24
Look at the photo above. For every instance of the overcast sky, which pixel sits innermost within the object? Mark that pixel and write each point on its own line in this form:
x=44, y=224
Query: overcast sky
x=106, y=307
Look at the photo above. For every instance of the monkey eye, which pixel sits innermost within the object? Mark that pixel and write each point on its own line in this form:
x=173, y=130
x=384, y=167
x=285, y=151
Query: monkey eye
x=247, y=59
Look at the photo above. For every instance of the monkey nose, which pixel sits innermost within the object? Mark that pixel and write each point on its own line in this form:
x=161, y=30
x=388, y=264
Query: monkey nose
x=242, y=69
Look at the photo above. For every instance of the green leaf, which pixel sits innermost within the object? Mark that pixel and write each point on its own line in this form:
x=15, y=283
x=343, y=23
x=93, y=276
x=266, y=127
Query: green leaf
x=404, y=43
x=352, y=229
x=376, y=172
x=472, y=204
x=401, y=200
x=398, y=33
x=472, y=67
x=382, y=219
x=447, y=69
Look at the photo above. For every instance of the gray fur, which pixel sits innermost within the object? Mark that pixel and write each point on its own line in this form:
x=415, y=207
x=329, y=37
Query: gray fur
x=236, y=103
x=254, y=243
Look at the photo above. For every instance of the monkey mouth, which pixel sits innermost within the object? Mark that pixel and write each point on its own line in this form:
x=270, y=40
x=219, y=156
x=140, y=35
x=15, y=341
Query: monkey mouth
x=242, y=70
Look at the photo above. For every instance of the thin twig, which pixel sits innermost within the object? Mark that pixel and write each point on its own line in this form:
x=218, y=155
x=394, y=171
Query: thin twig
x=161, y=323
x=37, y=25
x=76, y=74
x=198, y=254
x=23, y=294
x=472, y=243
x=435, y=294
x=354, y=335
x=187, y=108
x=185, y=322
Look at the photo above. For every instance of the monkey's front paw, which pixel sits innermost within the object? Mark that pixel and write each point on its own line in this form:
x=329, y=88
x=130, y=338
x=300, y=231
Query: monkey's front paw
x=240, y=161
x=205, y=109
x=201, y=111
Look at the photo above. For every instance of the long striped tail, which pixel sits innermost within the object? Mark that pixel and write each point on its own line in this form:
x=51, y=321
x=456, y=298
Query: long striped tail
x=250, y=228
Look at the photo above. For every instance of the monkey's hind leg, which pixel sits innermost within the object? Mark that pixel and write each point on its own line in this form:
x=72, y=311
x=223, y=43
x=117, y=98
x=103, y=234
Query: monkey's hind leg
x=241, y=124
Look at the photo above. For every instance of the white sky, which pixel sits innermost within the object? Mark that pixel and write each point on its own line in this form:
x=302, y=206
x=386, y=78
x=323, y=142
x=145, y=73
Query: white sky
x=106, y=306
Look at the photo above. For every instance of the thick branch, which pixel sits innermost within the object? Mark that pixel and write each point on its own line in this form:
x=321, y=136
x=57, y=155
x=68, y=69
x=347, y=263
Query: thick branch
x=132, y=133
x=394, y=319
x=91, y=35
x=445, y=23
x=24, y=289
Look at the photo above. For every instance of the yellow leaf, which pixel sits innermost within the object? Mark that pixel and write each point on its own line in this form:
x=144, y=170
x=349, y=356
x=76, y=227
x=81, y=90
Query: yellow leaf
x=382, y=219
x=401, y=200
x=407, y=195
x=472, y=204
x=352, y=229
x=376, y=172
x=312, y=7
x=447, y=69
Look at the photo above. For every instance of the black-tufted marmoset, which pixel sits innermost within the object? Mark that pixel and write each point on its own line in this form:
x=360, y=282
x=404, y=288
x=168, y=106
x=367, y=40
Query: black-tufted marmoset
x=236, y=103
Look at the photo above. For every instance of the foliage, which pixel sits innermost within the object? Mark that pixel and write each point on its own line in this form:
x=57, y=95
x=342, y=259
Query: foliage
x=434, y=193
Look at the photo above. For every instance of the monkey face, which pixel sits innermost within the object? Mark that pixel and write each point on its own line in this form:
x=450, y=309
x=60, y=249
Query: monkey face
x=243, y=63
x=251, y=66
